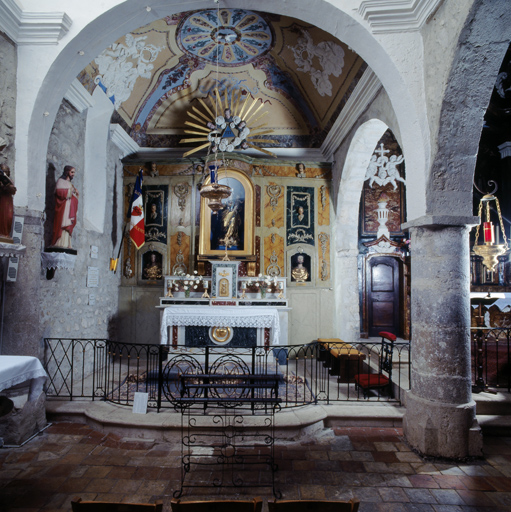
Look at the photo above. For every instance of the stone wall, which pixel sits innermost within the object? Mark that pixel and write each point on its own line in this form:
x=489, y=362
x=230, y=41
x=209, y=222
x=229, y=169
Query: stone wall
x=64, y=306
x=8, y=58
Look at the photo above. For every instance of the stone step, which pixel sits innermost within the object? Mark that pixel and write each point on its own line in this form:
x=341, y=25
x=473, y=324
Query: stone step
x=495, y=425
x=495, y=404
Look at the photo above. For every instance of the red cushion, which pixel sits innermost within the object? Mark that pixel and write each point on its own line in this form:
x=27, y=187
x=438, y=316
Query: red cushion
x=371, y=380
x=388, y=335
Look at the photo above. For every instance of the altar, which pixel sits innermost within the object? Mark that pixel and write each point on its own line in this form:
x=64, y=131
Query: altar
x=219, y=325
x=239, y=313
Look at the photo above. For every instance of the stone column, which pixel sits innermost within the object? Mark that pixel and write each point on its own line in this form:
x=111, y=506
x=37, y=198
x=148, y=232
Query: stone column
x=440, y=413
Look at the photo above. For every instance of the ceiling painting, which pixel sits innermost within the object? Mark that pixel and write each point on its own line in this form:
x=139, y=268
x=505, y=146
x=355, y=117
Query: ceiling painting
x=156, y=74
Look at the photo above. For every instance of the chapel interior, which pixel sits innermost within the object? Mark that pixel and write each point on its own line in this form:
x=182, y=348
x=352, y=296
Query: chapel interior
x=310, y=198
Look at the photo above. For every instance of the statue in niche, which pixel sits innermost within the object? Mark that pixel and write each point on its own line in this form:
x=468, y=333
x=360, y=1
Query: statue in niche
x=7, y=191
x=299, y=273
x=152, y=265
x=66, y=208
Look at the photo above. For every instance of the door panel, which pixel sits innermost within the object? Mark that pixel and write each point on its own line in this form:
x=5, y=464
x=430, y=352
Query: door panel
x=383, y=295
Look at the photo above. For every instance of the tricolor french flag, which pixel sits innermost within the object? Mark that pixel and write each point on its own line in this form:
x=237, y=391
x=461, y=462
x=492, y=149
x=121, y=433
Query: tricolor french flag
x=137, y=230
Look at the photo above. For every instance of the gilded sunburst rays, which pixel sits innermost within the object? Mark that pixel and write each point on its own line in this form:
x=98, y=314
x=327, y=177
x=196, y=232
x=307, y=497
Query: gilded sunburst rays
x=229, y=129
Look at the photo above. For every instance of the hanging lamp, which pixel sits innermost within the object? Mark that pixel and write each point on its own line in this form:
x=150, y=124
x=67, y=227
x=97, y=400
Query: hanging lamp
x=224, y=122
x=489, y=251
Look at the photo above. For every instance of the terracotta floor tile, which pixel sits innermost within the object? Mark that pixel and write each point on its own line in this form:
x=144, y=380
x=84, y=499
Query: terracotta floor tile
x=477, y=483
x=475, y=498
x=449, y=482
x=423, y=481
x=393, y=494
x=384, y=456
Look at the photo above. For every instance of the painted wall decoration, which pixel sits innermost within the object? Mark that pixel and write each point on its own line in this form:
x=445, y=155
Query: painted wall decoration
x=154, y=73
x=156, y=212
x=122, y=63
x=326, y=55
x=300, y=215
x=384, y=179
x=235, y=37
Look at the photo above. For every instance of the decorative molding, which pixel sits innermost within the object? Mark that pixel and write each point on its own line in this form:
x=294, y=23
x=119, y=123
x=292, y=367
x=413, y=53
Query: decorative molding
x=37, y=28
x=122, y=140
x=79, y=96
x=364, y=93
x=505, y=149
x=397, y=15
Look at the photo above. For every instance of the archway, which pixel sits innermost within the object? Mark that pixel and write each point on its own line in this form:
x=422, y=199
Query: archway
x=104, y=29
x=348, y=203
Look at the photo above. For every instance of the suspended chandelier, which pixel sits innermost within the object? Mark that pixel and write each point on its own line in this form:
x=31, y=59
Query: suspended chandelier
x=490, y=251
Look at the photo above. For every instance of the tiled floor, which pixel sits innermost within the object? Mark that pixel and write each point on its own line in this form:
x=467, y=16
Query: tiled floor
x=373, y=464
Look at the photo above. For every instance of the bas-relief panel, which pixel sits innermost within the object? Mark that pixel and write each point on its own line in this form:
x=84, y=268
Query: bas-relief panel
x=179, y=254
x=324, y=256
x=324, y=205
x=274, y=200
x=370, y=198
x=274, y=255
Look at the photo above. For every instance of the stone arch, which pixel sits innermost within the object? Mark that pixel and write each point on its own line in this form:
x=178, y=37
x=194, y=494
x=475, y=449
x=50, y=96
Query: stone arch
x=346, y=289
x=101, y=31
x=481, y=48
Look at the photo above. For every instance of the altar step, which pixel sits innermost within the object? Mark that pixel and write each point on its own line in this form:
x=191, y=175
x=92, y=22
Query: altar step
x=291, y=424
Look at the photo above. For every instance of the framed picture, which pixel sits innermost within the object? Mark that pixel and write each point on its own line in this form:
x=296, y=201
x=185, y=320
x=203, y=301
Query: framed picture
x=233, y=226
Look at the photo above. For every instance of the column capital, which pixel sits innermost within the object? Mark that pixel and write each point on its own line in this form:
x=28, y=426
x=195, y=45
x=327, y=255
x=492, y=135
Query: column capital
x=441, y=220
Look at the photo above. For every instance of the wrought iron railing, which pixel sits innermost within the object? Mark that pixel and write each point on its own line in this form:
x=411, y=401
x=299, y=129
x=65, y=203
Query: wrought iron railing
x=314, y=373
x=491, y=358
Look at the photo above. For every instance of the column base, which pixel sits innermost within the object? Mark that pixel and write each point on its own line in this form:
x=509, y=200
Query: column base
x=438, y=429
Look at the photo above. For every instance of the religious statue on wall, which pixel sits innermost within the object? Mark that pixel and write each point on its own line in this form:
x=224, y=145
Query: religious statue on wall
x=152, y=266
x=299, y=272
x=66, y=208
x=7, y=191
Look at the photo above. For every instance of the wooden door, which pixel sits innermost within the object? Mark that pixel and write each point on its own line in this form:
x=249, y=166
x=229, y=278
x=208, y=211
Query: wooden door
x=383, y=295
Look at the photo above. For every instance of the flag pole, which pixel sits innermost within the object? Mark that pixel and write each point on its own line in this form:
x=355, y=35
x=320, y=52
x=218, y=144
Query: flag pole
x=137, y=192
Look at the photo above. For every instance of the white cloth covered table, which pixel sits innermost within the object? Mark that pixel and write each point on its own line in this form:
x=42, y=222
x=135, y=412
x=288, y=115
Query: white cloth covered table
x=15, y=370
x=221, y=316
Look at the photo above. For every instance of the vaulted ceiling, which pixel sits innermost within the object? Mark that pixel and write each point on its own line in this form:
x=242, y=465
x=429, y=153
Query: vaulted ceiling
x=159, y=76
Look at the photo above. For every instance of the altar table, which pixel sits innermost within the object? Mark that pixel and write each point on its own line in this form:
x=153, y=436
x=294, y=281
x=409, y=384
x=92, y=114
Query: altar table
x=16, y=370
x=224, y=316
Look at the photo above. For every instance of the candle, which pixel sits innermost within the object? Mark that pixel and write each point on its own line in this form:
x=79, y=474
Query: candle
x=212, y=173
x=489, y=236
x=243, y=285
x=206, y=284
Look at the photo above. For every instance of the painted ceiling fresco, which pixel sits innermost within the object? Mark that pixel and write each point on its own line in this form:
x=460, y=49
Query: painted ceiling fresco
x=155, y=75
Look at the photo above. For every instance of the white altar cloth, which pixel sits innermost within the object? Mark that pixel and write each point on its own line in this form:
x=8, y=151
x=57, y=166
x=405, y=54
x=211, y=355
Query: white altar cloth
x=15, y=370
x=222, y=316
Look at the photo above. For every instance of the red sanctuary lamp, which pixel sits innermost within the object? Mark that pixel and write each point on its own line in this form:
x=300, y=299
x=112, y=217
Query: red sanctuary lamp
x=490, y=251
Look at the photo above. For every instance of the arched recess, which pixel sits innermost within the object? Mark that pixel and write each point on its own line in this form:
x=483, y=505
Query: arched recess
x=98, y=33
x=94, y=179
x=348, y=204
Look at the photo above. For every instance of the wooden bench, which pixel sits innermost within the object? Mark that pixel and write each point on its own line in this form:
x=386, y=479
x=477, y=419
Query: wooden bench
x=341, y=358
x=229, y=389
